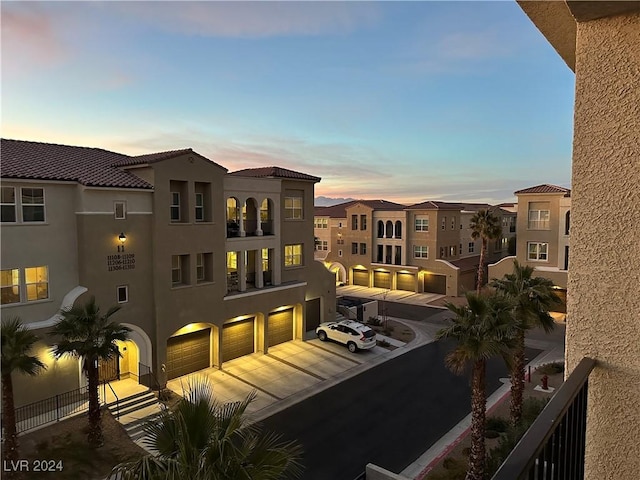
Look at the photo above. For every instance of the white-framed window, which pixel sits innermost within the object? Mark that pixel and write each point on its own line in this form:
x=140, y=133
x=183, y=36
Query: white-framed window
x=37, y=283
x=120, y=210
x=322, y=245
x=452, y=251
x=293, y=208
x=32, y=200
x=340, y=241
x=8, y=205
x=420, y=251
x=292, y=255
x=339, y=253
x=179, y=269
x=472, y=247
x=10, y=286
x=363, y=249
x=363, y=222
x=266, y=267
x=354, y=248
x=538, y=251
x=422, y=225
x=122, y=293
x=200, y=267
x=453, y=223
x=199, y=207
x=354, y=222
x=443, y=225
x=175, y=206
x=321, y=223
x=539, y=219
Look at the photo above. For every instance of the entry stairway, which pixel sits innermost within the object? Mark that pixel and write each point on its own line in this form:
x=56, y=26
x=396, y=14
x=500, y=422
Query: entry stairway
x=135, y=412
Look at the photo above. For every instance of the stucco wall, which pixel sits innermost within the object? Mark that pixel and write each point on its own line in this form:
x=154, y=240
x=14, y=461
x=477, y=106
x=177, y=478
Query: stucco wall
x=604, y=277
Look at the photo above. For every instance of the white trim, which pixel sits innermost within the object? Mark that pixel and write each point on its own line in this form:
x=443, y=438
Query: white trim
x=37, y=181
x=67, y=302
x=90, y=187
x=264, y=290
x=447, y=264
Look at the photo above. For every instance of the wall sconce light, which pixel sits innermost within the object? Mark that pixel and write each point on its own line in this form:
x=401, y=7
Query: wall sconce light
x=123, y=238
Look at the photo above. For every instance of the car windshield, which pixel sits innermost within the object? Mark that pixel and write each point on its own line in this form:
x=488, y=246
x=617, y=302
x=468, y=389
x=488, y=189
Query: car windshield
x=369, y=333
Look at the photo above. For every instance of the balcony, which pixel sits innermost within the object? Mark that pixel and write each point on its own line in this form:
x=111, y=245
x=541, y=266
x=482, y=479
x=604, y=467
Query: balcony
x=554, y=446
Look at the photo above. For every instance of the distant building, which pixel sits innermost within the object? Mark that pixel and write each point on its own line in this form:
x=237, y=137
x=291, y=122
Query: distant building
x=207, y=265
x=426, y=247
x=543, y=236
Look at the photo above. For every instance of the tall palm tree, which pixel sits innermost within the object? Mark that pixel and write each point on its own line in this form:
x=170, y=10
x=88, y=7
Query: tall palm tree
x=533, y=297
x=486, y=226
x=204, y=439
x=16, y=342
x=483, y=329
x=86, y=333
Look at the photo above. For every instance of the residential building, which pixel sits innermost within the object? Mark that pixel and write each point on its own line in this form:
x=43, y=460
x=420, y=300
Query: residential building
x=426, y=247
x=207, y=265
x=599, y=41
x=543, y=237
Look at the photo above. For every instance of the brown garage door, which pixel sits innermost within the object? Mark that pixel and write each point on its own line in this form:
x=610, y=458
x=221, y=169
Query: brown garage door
x=435, y=283
x=382, y=279
x=280, y=327
x=237, y=339
x=361, y=277
x=188, y=353
x=406, y=281
x=312, y=313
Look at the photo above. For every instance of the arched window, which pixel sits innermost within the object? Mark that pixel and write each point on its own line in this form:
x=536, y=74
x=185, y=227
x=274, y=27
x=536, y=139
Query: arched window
x=266, y=216
x=398, y=229
x=233, y=217
x=380, y=229
x=389, y=231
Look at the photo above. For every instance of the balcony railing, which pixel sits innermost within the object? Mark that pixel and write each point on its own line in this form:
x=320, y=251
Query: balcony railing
x=554, y=446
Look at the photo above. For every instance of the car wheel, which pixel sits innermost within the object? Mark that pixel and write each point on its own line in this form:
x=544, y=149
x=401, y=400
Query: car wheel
x=353, y=348
x=322, y=336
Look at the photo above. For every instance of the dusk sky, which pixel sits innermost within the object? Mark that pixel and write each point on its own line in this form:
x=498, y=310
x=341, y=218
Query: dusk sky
x=405, y=101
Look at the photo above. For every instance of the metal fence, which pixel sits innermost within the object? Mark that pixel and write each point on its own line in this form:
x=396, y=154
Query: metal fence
x=146, y=377
x=554, y=445
x=52, y=409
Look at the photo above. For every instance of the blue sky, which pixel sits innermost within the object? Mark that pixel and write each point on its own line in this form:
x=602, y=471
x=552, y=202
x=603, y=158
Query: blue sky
x=405, y=101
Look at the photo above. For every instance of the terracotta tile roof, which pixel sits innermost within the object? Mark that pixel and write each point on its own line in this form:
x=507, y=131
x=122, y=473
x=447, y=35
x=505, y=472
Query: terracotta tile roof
x=340, y=210
x=152, y=157
x=275, y=172
x=545, y=188
x=466, y=264
x=434, y=205
x=47, y=161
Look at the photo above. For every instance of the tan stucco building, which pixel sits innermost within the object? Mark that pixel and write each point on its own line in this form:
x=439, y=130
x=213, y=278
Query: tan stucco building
x=426, y=247
x=600, y=42
x=207, y=265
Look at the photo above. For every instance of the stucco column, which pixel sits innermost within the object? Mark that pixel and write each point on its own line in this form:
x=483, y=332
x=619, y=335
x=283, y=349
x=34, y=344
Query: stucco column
x=242, y=202
x=277, y=266
x=242, y=270
x=258, y=221
x=603, y=298
x=259, y=281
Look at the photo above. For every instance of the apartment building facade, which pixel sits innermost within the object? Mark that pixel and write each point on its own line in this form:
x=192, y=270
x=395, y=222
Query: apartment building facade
x=207, y=265
x=543, y=237
x=425, y=247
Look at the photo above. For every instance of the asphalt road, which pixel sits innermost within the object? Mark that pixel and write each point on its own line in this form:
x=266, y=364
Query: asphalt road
x=388, y=415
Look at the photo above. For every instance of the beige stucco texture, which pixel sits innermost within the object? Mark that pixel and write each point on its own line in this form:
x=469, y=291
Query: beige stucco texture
x=604, y=279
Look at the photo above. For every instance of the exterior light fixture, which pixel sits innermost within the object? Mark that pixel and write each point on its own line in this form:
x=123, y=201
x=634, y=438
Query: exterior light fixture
x=123, y=238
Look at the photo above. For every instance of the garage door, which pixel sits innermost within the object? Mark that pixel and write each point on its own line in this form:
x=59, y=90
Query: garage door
x=361, y=277
x=382, y=279
x=312, y=314
x=562, y=307
x=188, y=353
x=280, y=327
x=435, y=283
x=406, y=281
x=237, y=339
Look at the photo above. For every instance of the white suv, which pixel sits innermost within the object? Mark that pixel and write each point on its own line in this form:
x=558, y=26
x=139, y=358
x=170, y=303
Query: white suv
x=353, y=334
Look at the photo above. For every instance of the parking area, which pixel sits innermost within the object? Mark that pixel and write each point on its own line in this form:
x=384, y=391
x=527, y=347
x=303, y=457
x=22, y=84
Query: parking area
x=388, y=295
x=288, y=369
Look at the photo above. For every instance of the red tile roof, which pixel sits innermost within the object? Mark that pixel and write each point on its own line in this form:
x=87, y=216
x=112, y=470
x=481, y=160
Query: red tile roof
x=434, y=205
x=275, y=172
x=340, y=210
x=47, y=161
x=152, y=157
x=545, y=188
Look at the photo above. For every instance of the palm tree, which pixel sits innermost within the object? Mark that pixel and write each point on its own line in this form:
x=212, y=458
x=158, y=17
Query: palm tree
x=484, y=225
x=204, y=439
x=482, y=330
x=16, y=342
x=533, y=297
x=86, y=333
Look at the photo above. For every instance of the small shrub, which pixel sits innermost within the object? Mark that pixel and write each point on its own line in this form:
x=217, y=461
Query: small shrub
x=531, y=408
x=375, y=321
x=491, y=434
x=497, y=424
x=466, y=451
x=550, y=368
x=383, y=343
x=450, y=463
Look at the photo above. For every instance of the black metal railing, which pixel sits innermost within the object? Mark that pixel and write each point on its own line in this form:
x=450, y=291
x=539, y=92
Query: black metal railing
x=267, y=227
x=52, y=409
x=147, y=378
x=104, y=397
x=554, y=445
